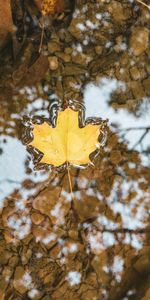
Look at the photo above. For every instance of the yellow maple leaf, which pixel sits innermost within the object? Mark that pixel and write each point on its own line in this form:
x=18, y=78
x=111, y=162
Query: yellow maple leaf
x=48, y=6
x=66, y=142
x=51, y=6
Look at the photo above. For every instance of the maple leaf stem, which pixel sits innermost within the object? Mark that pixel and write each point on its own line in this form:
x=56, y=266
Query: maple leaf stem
x=70, y=184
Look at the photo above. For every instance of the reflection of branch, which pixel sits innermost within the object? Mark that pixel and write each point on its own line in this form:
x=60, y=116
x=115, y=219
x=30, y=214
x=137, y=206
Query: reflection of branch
x=146, y=151
x=10, y=181
x=135, y=128
x=145, y=128
x=141, y=138
x=120, y=230
x=125, y=230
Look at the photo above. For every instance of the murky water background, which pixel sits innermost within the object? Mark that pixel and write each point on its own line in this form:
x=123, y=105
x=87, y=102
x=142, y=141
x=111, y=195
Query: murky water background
x=95, y=246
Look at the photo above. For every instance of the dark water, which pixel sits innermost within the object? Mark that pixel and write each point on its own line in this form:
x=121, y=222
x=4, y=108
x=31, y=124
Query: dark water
x=95, y=244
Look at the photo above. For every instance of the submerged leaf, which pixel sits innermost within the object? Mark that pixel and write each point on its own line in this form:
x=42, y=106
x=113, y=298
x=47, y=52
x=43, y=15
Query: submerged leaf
x=67, y=142
x=52, y=6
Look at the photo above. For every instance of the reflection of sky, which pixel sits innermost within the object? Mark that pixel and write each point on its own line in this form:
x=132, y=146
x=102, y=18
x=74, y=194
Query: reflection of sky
x=12, y=167
x=96, y=98
x=116, y=268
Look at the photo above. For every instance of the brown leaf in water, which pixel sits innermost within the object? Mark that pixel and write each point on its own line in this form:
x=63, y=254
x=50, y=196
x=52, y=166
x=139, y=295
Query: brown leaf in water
x=52, y=204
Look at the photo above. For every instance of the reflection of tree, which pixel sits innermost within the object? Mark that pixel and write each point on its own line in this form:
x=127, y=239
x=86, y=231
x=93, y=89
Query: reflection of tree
x=102, y=235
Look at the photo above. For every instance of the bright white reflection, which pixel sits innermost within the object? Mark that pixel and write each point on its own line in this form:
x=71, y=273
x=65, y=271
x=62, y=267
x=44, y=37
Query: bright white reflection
x=12, y=167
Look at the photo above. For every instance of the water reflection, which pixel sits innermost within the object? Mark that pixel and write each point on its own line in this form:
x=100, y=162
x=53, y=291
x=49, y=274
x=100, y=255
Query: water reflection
x=16, y=168
x=95, y=246
x=135, y=128
x=110, y=210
